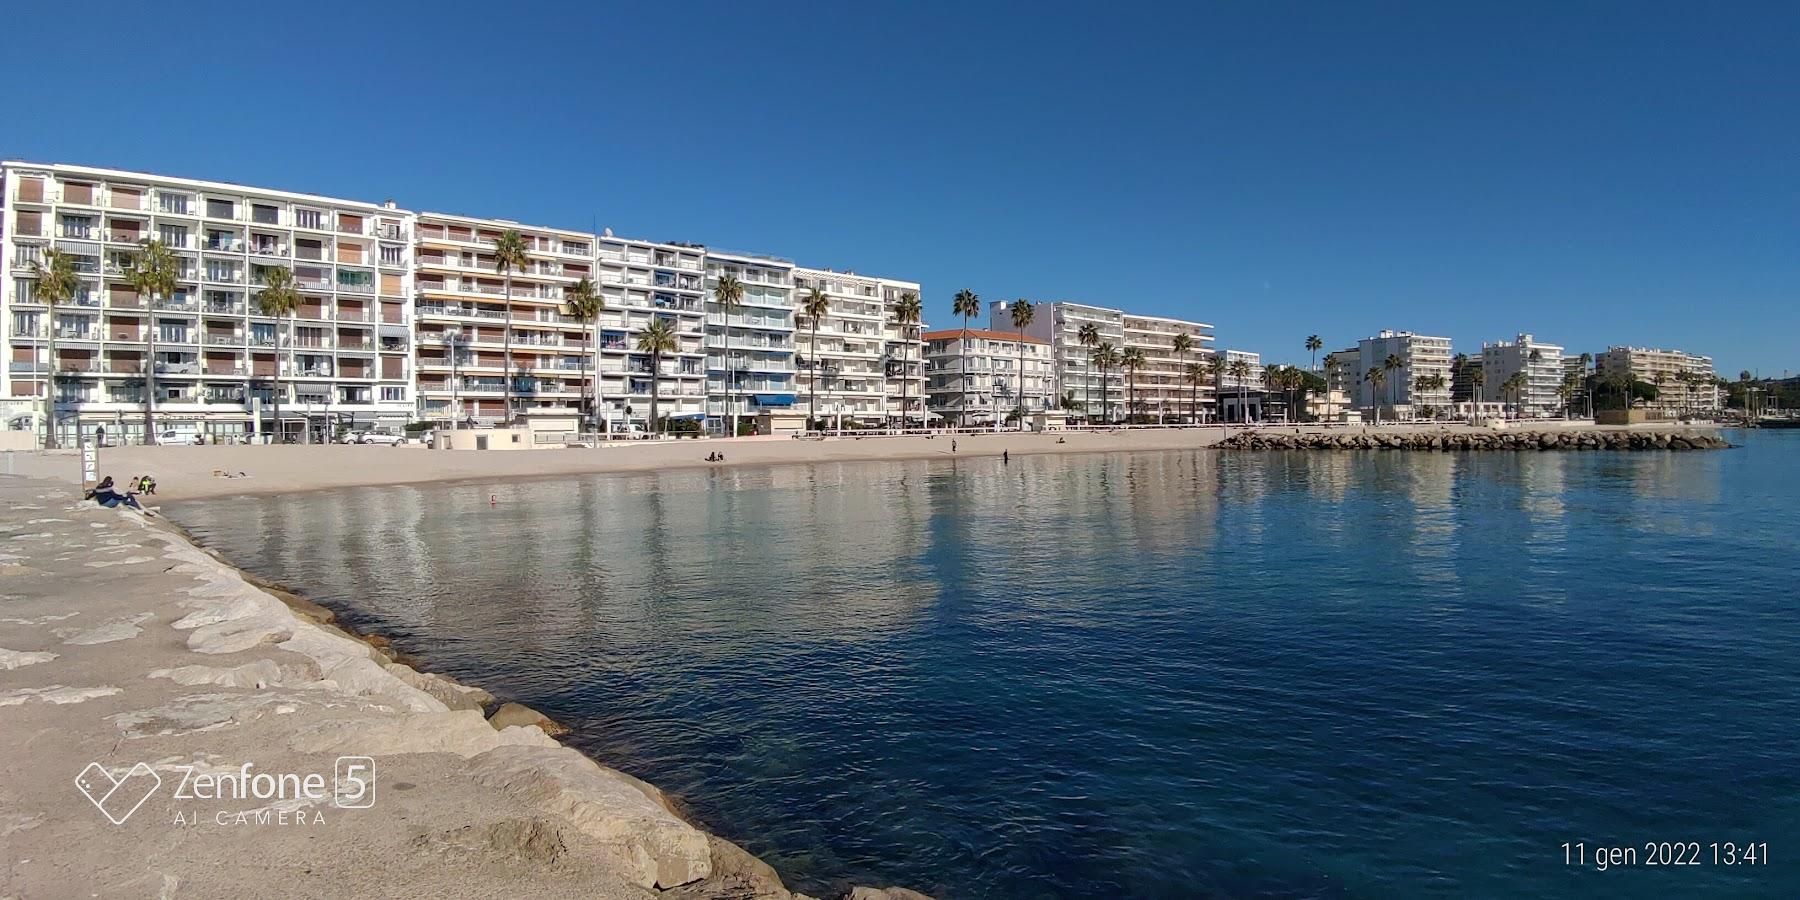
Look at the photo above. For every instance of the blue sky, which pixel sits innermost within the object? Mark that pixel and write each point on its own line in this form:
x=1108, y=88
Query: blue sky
x=1593, y=173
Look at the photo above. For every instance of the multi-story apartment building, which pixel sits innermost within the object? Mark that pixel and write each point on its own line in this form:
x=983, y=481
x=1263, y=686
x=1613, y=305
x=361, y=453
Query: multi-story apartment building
x=1161, y=384
x=1684, y=382
x=1241, y=396
x=1341, y=373
x=1402, y=394
x=1058, y=323
x=403, y=317
x=974, y=376
x=205, y=358
x=577, y=373
x=1539, y=395
x=851, y=367
x=750, y=351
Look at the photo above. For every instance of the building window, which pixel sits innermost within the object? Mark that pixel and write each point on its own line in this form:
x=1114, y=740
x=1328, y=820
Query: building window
x=393, y=395
x=220, y=209
x=309, y=218
x=265, y=215
x=172, y=203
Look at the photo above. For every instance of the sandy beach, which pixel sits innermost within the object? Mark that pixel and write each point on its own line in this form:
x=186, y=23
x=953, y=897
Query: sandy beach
x=186, y=473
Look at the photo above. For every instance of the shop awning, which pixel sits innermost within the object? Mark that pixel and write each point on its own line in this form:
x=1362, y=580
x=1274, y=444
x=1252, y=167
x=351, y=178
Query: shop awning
x=774, y=399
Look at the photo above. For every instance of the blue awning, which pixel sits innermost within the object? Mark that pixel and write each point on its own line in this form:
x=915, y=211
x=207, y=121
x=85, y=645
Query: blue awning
x=689, y=416
x=774, y=399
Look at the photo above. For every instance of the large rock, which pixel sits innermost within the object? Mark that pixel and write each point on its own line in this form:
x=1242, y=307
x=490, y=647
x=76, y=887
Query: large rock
x=888, y=893
x=652, y=846
x=514, y=715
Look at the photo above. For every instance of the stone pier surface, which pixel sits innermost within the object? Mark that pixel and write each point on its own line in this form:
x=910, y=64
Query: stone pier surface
x=140, y=676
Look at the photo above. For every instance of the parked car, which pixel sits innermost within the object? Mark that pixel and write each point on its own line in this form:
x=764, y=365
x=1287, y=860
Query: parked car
x=351, y=437
x=180, y=438
x=631, y=430
x=424, y=437
x=382, y=437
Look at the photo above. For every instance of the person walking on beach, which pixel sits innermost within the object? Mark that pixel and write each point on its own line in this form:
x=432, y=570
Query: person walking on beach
x=953, y=445
x=1005, y=457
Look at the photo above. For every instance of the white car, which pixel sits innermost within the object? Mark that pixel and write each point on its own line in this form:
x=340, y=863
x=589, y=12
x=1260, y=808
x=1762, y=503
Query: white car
x=382, y=437
x=352, y=437
x=424, y=437
x=180, y=438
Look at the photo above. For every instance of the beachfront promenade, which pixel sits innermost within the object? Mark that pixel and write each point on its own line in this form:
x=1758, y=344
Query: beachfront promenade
x=279, y=755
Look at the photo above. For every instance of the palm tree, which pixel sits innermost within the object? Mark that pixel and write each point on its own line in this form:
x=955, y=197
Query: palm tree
x=56, y=284
x=583, y=304
x=509, y=256
x=279, y=298
x=1105, y=357
x=1391, y=364
x=152, y=274
x=1132, y=359
x=1088, y=335
x=656, y=339
x=1477, y=378
x=1566, y=392
x=1514, y=385
x=1376, y=377
x=814, y=308
x=1183, y=345
x=729, y=294
x=1022, y=313
x=1217, y=367
x=1196, y=373
x=907, y=311
x=1313, y=346
x=1240, y=370
x=967, y=305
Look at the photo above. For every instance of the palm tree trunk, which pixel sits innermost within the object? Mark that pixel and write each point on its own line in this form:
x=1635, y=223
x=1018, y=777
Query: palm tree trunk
x=812, y=403
x=730, y=400
x=655, y=392
x=1090, y=388
x=1021, y=387
x=508, y=386
x=905, y=373
x=594, y=351
x=150, y=376
x=50, y=389
x=276, y=423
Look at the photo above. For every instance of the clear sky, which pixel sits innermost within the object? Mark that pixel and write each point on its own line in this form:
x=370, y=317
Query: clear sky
x=1593, y=173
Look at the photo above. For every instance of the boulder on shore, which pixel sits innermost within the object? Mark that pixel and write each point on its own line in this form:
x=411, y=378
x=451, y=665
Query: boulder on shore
x=511, y=714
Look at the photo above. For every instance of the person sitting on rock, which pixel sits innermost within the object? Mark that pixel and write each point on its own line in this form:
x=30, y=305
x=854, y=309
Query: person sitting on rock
x=146, y=485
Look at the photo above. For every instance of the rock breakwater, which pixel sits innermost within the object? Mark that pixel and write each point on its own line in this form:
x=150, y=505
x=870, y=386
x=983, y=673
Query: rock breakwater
x=1446, y=441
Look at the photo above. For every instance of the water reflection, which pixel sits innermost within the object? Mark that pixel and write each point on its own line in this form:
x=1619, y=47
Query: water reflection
x=1159, y=674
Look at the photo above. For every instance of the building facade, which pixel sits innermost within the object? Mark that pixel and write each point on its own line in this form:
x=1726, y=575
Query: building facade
x=750, y=351
x=408, y=317
x=1241, y=396
x=1409, y=389
x=1162, y=387
x=853, y=366
x=981, y=376
x=205, y=360
x=1101, y=396
x=1685, y=382
x=1540, y=365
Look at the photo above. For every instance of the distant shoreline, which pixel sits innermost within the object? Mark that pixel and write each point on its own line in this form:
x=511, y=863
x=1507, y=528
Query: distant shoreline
x=187, y=473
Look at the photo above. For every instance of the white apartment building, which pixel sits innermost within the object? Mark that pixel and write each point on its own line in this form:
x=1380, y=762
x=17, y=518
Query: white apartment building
x=1241, y=397
x=750, y=351
x=850, y=369
x=1542, y=367
x=1058, y=323
x=466, y=326
x=1685, y=382
x=1401, y=395
x=204, y=360
x=1342, y=372
x=980, y=377
x=404, y=317
x=1161, y=384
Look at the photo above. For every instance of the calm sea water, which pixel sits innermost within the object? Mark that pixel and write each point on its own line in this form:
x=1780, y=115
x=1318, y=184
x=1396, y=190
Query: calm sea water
x=1135, y=675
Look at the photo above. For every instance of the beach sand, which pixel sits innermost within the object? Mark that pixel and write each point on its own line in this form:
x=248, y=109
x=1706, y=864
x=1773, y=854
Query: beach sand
x=187, y=473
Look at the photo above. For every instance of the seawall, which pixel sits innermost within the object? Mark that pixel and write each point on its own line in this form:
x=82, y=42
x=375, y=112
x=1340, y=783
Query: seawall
x=140, y=677
x=1465, y=440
